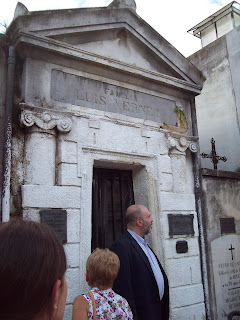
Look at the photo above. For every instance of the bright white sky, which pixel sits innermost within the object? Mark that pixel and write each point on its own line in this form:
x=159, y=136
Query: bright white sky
x=170, y=18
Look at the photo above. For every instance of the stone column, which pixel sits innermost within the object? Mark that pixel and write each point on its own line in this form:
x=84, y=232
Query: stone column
x=177, y=149
x=40, y=154
x=40, y=146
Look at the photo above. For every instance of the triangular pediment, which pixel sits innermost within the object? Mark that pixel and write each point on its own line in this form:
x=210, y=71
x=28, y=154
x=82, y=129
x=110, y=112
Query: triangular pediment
x=112, y=34
x=119, y=44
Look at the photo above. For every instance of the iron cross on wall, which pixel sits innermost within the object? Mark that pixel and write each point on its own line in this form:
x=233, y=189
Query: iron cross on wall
x=213, y=155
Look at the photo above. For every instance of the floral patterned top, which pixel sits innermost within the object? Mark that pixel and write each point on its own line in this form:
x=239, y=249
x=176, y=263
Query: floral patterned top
x=109, y=305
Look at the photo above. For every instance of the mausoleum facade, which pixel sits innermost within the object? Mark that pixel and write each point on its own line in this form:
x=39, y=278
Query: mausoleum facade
x=104, y=116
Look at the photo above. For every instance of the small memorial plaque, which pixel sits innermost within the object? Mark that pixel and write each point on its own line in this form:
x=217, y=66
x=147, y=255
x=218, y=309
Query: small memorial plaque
x=227, y=225
x=182, y=247
x=57, y=219
x=180, y=224
x=226, y=272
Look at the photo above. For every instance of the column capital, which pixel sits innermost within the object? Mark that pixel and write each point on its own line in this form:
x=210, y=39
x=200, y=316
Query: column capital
x=44, y=118
x=179, y=145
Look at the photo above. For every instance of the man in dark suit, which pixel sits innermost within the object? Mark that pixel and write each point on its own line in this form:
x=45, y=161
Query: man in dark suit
x=141, y=278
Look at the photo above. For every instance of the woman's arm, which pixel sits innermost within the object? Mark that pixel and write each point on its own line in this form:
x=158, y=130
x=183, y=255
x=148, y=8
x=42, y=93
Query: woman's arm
x=80, y=308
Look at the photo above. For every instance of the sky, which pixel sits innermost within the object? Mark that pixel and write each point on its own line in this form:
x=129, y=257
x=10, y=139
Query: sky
x=172, y=19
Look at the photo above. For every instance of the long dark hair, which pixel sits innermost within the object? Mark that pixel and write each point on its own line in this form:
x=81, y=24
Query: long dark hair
x=31, y=260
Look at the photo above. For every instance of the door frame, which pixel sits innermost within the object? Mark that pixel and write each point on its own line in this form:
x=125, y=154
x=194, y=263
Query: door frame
x=146, y=187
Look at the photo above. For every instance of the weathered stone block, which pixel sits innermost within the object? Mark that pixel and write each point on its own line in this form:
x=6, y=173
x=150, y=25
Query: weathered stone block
x=146, y=134
x=72, y=277
x=188, y=271
x=67, y=152
x=40, y=158
x=31, y=214
x=166, y=182
x=68, y=175
x=50, y=197
x=73, y=226
x=72, y=254
x=94, y=124
x=186, y=295
x=196, y=312
x=164, y=164
x=179, y=173
x=117, y=139
x=177, y=201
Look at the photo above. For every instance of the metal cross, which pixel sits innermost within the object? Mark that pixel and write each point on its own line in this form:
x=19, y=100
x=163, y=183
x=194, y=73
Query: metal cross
x=213, y=155
x=231, y=249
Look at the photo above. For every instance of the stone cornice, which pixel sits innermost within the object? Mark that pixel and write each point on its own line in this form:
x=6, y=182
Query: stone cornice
x=70, y=51
x=44, y=118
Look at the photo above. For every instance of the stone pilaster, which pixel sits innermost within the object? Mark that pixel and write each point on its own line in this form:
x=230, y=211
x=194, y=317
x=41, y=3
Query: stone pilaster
x=40, y=146
x=177, y=151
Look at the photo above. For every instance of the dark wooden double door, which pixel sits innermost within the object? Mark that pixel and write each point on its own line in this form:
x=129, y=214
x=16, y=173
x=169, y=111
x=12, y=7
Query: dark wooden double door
x=112, y=194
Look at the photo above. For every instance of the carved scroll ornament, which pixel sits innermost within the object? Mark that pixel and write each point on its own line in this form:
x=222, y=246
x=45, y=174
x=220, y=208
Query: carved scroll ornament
x=181, y=144
x=45, y=120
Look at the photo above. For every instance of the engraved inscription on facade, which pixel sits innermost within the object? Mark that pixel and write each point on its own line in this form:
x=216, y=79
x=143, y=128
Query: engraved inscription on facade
x=80, y=91
x=226, y=268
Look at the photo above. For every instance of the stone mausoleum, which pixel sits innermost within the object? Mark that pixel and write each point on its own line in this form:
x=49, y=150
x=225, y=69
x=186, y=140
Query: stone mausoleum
x=99, y=114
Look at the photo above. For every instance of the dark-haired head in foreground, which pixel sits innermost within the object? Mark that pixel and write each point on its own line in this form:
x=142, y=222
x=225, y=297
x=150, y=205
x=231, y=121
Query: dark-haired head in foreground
x=32, y=272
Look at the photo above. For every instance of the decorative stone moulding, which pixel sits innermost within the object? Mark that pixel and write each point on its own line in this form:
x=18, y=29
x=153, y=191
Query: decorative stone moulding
x=45, y=120
x=181, y=144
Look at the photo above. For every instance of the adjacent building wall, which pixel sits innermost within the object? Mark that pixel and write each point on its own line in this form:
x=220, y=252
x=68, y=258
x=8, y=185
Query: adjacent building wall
x=219, y=102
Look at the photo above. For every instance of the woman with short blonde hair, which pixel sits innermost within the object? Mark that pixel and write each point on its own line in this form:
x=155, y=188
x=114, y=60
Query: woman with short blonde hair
x=101, y=270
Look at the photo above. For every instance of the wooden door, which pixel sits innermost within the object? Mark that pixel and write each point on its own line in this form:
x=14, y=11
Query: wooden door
x=112, y=194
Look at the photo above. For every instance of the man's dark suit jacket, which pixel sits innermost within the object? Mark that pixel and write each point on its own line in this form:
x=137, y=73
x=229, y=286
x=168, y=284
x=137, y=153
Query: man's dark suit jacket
x=136, y=281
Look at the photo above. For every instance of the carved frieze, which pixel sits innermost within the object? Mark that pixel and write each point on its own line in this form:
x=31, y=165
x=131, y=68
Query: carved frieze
x=181, y=144
x=45, y=119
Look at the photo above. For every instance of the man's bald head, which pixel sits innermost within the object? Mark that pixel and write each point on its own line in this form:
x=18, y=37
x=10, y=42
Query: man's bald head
x=139, y=219
x=133, y=213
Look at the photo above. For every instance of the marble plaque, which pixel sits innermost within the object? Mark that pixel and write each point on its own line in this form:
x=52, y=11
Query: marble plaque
x=57, y=220
x=227, y=225
x=180, y=224
x=226, y=270
x=84, y=92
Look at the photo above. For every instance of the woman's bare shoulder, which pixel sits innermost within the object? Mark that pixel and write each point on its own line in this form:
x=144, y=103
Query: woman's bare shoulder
x=80, y=308
x=80, y=300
